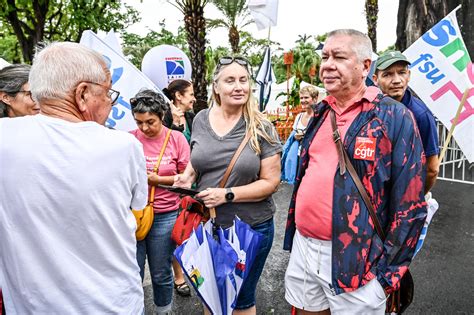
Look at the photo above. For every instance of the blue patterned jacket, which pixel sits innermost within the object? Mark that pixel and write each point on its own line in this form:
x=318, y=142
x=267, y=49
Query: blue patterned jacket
x=394, y=182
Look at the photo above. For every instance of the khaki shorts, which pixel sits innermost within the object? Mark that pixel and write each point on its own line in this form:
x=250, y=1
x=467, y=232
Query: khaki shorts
x=308, y=282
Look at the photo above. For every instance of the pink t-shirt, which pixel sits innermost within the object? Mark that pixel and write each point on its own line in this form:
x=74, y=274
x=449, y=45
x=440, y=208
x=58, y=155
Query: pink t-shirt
x=314, y=199
x=174, y=161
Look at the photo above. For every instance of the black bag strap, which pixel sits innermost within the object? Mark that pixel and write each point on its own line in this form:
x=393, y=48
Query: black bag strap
x=345, y=162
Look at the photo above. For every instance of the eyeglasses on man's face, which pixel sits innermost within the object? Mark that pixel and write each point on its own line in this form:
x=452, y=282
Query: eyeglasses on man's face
x=111, y=93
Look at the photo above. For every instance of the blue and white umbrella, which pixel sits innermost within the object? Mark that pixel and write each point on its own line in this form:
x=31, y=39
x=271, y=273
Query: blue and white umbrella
x=264, y=79
x=217, y=268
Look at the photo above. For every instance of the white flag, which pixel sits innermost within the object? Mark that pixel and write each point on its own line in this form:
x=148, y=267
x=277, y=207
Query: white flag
x=126, y=79
x=441, y=71
x=264, y=12
x=112, y=40
x=3, y=63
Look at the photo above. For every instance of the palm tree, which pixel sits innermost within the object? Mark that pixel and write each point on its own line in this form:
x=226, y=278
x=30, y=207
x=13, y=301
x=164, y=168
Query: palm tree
x=236, y=16
x=303, y=39
x=304, y=58
x=417, y=17
x=195, y=27
x=371, y=15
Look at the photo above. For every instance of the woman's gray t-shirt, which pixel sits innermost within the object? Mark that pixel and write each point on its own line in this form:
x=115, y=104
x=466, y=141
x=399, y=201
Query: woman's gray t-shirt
x=210, y=156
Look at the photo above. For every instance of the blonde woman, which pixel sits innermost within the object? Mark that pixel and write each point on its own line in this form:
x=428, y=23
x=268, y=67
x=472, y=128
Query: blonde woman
x=217, y=133
x=308, y=97
x=291, y=150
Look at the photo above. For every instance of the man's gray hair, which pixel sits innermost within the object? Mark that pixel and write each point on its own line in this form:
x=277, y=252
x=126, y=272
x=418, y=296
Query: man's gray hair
x=59, y=67
x=362, y=45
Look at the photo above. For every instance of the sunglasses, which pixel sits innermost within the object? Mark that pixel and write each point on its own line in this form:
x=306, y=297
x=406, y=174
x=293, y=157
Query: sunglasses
x=134, y=101
x=228, y=60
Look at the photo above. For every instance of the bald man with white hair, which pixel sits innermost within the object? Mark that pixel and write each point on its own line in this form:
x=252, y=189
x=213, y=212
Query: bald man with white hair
x=67, y=233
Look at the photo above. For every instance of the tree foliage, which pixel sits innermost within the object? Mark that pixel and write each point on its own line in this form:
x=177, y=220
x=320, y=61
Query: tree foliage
x=304, y=58
x=34, y=21
x=135, y=46
x=236, y=17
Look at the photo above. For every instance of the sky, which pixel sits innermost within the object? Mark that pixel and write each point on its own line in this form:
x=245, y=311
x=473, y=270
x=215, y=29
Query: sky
x=295, y=17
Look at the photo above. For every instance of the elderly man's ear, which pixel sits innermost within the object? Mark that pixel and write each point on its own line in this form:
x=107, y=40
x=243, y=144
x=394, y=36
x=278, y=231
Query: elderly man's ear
x=82, y=95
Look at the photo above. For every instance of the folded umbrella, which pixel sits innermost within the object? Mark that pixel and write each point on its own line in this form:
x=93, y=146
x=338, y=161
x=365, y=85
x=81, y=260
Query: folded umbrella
x=225, y=261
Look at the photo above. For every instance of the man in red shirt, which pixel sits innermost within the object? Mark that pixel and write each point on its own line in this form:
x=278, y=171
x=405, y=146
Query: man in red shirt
x=338, y=263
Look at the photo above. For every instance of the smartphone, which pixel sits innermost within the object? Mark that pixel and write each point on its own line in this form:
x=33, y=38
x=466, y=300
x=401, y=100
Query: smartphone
x=179, y=190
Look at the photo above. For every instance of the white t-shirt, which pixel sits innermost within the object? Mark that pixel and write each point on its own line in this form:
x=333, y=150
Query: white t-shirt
x=67, y=235
x=298, y=124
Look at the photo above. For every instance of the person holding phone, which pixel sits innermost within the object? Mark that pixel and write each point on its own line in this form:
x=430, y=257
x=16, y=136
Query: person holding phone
x=217, y=133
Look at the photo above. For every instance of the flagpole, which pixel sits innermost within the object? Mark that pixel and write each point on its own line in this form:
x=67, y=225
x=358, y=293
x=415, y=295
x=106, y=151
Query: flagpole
x=453, y=125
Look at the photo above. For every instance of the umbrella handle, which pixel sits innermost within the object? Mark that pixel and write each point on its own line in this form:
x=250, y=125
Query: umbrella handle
x=212, y=213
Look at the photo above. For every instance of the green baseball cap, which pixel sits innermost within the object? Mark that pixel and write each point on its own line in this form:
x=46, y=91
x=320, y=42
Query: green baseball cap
x=389, y=58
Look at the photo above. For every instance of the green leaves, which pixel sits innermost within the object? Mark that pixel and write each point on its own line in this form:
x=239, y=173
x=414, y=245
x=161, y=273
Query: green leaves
x=135, y=46
x=31, y=22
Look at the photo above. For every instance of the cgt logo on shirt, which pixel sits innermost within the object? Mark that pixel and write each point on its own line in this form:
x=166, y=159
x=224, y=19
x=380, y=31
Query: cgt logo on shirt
x=364, y=149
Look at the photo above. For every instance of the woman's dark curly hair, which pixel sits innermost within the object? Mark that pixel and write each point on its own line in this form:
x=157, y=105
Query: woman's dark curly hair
x=149, y=101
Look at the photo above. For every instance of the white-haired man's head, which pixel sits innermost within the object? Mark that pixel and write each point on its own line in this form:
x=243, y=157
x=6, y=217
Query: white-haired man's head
x=60, y=66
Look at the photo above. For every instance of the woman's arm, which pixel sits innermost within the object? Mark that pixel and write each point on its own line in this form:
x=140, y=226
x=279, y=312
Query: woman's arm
x=266, y=185
x=155, y=179
x=185, y=179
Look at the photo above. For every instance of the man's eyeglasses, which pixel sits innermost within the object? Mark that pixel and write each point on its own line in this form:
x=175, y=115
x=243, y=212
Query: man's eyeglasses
x=111, y=93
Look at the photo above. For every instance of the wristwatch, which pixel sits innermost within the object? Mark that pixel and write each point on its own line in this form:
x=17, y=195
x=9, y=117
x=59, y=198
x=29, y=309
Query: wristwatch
x=229, y=195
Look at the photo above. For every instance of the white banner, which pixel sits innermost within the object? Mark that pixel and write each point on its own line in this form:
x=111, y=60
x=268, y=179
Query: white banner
x=126, y=79
x=264, y=12
x=441, y=71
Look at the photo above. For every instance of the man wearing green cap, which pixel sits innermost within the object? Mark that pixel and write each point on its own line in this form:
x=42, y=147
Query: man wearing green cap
x=392, y=76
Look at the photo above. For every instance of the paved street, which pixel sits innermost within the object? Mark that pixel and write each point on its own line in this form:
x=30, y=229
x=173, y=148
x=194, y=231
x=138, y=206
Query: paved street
x=443, y=271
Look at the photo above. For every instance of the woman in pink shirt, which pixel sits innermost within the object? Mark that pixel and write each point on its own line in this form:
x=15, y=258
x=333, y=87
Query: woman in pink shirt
x=148, y=108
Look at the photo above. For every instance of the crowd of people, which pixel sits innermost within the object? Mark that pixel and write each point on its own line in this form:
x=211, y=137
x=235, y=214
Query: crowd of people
x=68, y=184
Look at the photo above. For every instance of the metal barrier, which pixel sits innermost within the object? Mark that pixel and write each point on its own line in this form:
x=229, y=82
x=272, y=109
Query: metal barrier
x=454, y=166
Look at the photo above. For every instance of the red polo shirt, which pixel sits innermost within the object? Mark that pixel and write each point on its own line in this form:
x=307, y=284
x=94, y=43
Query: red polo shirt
x=314, y=198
